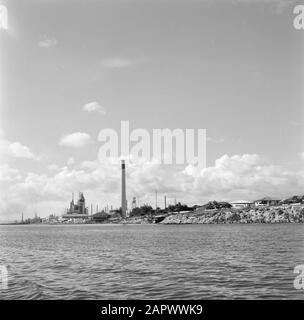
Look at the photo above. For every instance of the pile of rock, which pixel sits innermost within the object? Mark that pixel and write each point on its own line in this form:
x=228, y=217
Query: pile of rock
x=278, y=214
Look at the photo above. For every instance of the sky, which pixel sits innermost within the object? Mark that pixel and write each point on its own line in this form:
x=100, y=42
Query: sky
x=70, y=69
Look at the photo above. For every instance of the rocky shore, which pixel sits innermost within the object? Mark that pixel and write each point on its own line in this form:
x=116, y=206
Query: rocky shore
x=280, y=214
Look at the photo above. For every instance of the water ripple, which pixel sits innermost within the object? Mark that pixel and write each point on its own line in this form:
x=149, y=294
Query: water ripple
x=152, y=261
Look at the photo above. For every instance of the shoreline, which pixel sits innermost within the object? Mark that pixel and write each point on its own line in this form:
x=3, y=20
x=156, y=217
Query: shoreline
x=141, y=224
x=257, y=215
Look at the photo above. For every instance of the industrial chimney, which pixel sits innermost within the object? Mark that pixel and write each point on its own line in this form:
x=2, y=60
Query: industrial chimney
x=123, y=189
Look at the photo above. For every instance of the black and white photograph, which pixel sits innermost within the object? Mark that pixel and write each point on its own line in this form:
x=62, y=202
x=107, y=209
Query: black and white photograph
x=151, y=150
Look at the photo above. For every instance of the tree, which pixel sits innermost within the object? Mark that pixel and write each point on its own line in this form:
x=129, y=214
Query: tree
x=142, y=211
x=217, y=205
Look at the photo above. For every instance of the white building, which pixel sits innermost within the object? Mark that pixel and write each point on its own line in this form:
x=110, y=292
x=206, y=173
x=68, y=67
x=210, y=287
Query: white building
x=241, y=204
x=267, y=201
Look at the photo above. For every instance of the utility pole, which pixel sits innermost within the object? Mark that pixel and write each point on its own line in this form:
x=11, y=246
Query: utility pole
x=156, y=200
x=165, y=202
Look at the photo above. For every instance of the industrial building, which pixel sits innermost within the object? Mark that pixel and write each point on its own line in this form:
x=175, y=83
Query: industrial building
x=77, y=211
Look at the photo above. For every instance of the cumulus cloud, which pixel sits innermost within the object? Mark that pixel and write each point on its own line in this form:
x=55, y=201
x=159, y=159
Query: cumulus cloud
x=71, y=161
x=53, y=167
x=47, y=43
x=295, y=123
x=8, y=174
x=121, y=63
x=215, y=140
x=76, y=140
x=248, y=176
x=245, y=175
x=117, y=63
x=94, y=107
x=15, y=150
x=20, y=151
x=278, y=4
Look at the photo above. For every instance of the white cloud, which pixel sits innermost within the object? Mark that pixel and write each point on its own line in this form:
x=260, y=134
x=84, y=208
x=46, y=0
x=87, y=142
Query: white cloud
x=54, y=167
x=71, y=161
x=94, y=107
x=76, y=140
x=121, y=63
x=295, y=123
x=8, y=174
x=10, y=149
x=47, y=43
x=20, y=151
x=248, y=176
x=279, y=5
x=215, y=140
x=117, y=63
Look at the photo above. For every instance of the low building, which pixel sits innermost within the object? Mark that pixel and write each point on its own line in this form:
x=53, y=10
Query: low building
x=267, y=201
x=241, y=204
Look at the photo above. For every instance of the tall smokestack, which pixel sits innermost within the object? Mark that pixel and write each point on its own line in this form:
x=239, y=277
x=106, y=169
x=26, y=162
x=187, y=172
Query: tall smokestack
x=123, y=189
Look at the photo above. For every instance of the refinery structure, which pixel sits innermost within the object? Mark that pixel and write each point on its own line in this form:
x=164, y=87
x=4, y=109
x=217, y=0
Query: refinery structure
x=80, y=211
x=77, y=211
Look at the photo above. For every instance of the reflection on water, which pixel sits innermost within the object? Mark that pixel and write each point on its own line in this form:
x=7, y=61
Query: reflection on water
x=151, y=261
